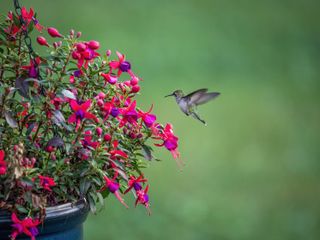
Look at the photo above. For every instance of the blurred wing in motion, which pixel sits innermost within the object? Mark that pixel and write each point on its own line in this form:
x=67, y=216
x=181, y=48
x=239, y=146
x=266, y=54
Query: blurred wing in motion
x=194, y=96
x=205, y=97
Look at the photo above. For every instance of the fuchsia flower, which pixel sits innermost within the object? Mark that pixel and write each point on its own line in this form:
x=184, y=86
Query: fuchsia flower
x=12, y=31
x=32, y=68
x=85, y=53
x=47, y=182
x=170, y=141
x=80, y=112
x=3, y=164
x=129, y=114
x=122, y=65
x=116, y=153
x=87, y=141
x=142, y=196
x=147, y=118
x=27, y=226
x=109, y=78
x=29, y=16
x=113, y=186
x=135, y=183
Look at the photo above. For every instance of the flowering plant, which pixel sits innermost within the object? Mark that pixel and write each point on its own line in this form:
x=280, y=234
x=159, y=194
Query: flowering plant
x=70, y=127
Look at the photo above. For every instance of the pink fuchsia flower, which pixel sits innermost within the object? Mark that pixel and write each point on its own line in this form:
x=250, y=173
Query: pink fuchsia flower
x=29, y=16
x=113, y=186
x=84, y=55
x=3, y=164
x=32, y=68
x=54, y=32
x=147, y=118
x=27, y=226
x=47, y=182
x=129, y=114
x=121, y=65
x=87, y=141
x=135, y=183
x=170, y=141
x=143, y=198
x=109, y=78
x=12, y=31
x=80, y=112
x=115, y=152
x=108, y=107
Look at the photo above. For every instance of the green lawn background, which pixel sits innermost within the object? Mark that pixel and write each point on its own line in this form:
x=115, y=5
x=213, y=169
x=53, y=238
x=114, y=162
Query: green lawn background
x=253, y=172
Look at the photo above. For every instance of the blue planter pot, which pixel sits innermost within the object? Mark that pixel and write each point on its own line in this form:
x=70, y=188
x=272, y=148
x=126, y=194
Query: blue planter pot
x=63, y=222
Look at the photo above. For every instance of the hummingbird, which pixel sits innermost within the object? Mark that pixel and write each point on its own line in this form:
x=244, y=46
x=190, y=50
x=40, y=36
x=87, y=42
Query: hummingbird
x=188, y=103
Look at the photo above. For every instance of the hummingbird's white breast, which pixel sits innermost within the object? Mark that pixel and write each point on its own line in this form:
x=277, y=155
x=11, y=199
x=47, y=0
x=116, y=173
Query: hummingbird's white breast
x=183, y=105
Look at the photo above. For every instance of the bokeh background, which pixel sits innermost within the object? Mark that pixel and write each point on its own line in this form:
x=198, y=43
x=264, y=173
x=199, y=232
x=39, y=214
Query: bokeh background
x=253, y=172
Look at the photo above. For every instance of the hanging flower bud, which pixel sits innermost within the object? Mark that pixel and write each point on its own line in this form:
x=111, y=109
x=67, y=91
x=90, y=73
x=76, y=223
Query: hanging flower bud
x=54, y=32
x=71, y=33
x=107, y=137
x=99, y=131
x=42, y=41
x=135, y=89
x=108, y=53
x=134, y=81
x=79, y=34
x=81, y=47
x=93, y=45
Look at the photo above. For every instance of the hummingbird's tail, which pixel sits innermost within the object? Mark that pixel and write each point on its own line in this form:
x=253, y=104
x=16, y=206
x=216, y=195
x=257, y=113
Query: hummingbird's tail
x=196, y=116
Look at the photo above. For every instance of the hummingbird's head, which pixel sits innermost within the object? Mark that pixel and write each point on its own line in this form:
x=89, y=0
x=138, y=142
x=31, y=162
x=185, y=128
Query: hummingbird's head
x=176, y=93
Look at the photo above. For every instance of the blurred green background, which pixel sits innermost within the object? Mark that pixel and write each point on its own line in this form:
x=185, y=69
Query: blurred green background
x=253, y=172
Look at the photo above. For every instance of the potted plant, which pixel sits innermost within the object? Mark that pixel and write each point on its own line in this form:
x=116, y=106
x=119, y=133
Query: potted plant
x=70, y=128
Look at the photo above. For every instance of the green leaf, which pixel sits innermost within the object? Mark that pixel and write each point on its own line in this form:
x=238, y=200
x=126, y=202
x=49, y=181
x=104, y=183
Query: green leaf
x=100, y=197
x=85, y=184
x=92, y=204
x=68, y=94
x=21, y=208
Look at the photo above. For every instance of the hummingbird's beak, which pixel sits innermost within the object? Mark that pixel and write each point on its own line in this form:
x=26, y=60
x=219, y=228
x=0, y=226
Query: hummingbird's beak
x=169, y=95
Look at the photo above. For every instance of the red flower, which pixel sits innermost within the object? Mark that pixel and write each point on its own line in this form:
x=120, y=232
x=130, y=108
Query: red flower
x=84, y=53
x=115, y=153
x=27, y=226
x=129, y=114
x=3, y=164
x=32, y=67
x=122, y=65
x=47, y=182
x=147, y=118
x=29, y=16
x=113, y=187
x=135, y=183
x=143, y=198
x=170, y=141
x=80, y=112
x=87, y=141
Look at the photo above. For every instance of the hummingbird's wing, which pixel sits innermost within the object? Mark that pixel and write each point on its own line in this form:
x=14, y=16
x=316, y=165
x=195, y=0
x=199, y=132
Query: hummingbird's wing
x=205, y=97
x=194, y=96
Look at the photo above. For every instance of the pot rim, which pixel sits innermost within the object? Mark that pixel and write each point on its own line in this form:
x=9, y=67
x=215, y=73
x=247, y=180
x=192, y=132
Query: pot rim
x=58, y=210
